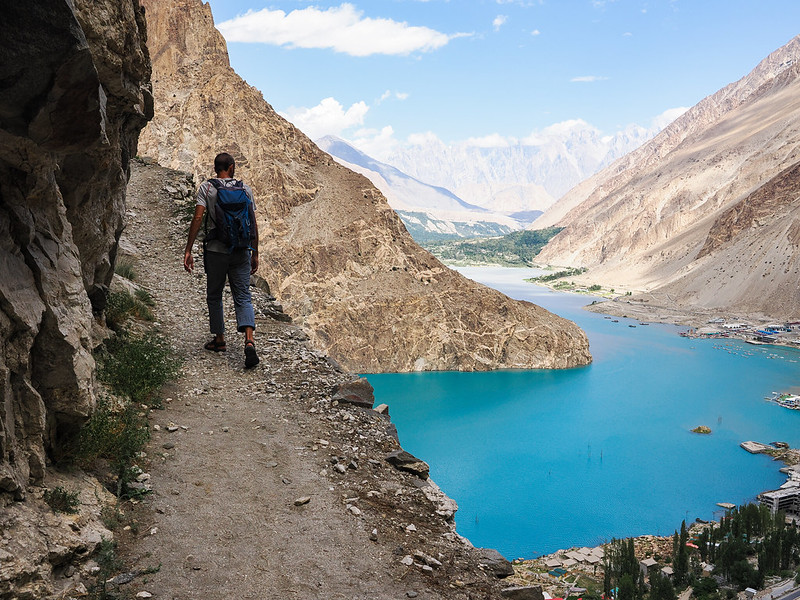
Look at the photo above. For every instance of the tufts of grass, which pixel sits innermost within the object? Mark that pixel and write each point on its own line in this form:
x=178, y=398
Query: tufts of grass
x=143, y=296
x=123, y=305
x=124, y=267
x=137, y=366
x=61, y=500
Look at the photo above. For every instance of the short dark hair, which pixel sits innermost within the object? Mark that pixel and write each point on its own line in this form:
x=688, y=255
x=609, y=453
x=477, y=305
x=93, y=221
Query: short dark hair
x=222, y=162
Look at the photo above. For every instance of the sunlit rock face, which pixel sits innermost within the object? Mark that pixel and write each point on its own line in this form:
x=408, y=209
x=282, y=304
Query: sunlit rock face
x=706, y=214
x=332, y=249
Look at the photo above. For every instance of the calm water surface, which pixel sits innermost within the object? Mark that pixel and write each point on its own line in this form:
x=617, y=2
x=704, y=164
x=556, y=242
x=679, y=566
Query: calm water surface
x=542, y=460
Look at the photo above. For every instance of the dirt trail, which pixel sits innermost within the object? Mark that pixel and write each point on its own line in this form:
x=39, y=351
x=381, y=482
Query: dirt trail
x=222, y=520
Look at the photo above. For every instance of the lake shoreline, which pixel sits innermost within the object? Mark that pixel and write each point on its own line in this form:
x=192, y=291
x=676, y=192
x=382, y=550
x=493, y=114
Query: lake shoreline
x=600, y=450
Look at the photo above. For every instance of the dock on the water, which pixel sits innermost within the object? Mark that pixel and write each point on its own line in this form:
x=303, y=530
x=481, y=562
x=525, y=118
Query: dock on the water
x=756, y=447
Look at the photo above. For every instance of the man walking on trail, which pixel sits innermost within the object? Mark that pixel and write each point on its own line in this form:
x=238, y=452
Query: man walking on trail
x=224, y=256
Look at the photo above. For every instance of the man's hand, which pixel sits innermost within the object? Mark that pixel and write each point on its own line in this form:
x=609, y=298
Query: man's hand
x=194, y=227
x=188, y=261
x=253, y=262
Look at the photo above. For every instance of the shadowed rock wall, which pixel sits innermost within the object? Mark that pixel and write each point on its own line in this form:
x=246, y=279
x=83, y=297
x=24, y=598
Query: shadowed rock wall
x=74, y=94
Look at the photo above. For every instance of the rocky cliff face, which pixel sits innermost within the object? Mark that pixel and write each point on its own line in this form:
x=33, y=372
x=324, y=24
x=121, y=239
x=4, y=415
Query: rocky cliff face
x=706, y=212
x=332, y=249
x=73, y=97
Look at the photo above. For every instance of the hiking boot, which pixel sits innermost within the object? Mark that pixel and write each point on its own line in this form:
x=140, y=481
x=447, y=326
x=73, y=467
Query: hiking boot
x=250, y=356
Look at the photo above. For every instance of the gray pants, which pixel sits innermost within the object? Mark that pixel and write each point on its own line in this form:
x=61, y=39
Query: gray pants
x=236, y=268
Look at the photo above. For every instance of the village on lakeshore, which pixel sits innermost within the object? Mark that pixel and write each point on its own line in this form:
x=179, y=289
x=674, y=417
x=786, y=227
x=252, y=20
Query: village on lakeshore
x=581, y=572
x=786, y=334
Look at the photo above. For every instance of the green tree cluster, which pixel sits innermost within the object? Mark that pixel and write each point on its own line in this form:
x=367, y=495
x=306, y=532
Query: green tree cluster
x=514, y=249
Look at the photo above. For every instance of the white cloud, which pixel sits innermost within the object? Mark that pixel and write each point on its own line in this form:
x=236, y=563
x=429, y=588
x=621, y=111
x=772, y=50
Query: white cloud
x=558, y=131
x=421, y=139
x=499, y=21
x=328, y=117
x=493, y=140
x=389, y=94
x=668, y=116
x=536, y=32
x=377, y=143
x=588, y=79
x=342, y=29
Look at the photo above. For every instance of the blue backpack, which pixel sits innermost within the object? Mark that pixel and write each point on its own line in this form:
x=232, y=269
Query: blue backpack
x=234, y=218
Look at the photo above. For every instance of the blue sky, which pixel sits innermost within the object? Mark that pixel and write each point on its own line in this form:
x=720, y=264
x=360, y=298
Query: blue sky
x=386, y=71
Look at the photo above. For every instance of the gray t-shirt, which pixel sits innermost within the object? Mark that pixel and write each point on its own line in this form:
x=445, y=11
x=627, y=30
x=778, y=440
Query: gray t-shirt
x=207, y=198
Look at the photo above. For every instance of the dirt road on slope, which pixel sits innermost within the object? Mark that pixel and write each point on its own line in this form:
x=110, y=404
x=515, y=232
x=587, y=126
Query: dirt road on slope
x=263, y=487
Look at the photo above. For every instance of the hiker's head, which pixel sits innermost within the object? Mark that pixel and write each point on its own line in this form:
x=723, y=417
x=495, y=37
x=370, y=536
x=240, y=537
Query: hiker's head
x=224, y=162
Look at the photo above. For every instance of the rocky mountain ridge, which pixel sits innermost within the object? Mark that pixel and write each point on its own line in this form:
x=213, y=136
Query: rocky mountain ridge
x=428, y=212
x=526, y=175
x=705, y=213
x=336, y=255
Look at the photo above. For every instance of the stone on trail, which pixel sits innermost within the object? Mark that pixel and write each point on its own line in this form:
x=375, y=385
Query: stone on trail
x=302, y=500
x=428, y=560
x=358, y=392
x=374, y=535
x=405, y=461
x=407, y=560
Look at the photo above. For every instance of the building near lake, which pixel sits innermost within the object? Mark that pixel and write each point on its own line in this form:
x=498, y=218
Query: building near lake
x=785, y=498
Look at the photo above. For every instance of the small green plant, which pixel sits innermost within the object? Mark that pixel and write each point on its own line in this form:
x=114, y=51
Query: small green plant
x=124, y=267
x=61, y=500
x=111, y=516
x=116, y=434
x=137, y=366
x=109, y=562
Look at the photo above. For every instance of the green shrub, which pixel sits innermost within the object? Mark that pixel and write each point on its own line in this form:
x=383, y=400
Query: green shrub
x=137, y=367
x=116, y=435
x=109, y=562
x=61, y=500
x=119, y=307
x=124, y=267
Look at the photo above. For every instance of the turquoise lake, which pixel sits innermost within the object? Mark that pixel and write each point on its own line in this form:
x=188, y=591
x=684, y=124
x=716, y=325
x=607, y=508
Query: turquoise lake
x=541, y=460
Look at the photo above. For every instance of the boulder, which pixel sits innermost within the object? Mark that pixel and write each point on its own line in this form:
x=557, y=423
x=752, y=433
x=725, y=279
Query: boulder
x=358, y=392
x=405, y=461
x=495, y=562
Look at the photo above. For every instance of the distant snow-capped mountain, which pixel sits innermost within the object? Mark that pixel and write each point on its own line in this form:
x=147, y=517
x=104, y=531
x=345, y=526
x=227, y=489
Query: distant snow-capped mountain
x=429, y=212
x=522, y=175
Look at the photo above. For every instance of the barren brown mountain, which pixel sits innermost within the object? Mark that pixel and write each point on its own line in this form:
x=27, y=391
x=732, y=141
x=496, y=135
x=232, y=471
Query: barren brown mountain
x=707, y=213
x=336, y=255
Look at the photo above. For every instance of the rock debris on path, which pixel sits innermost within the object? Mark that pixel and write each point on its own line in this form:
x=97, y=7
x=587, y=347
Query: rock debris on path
x=264, y=485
